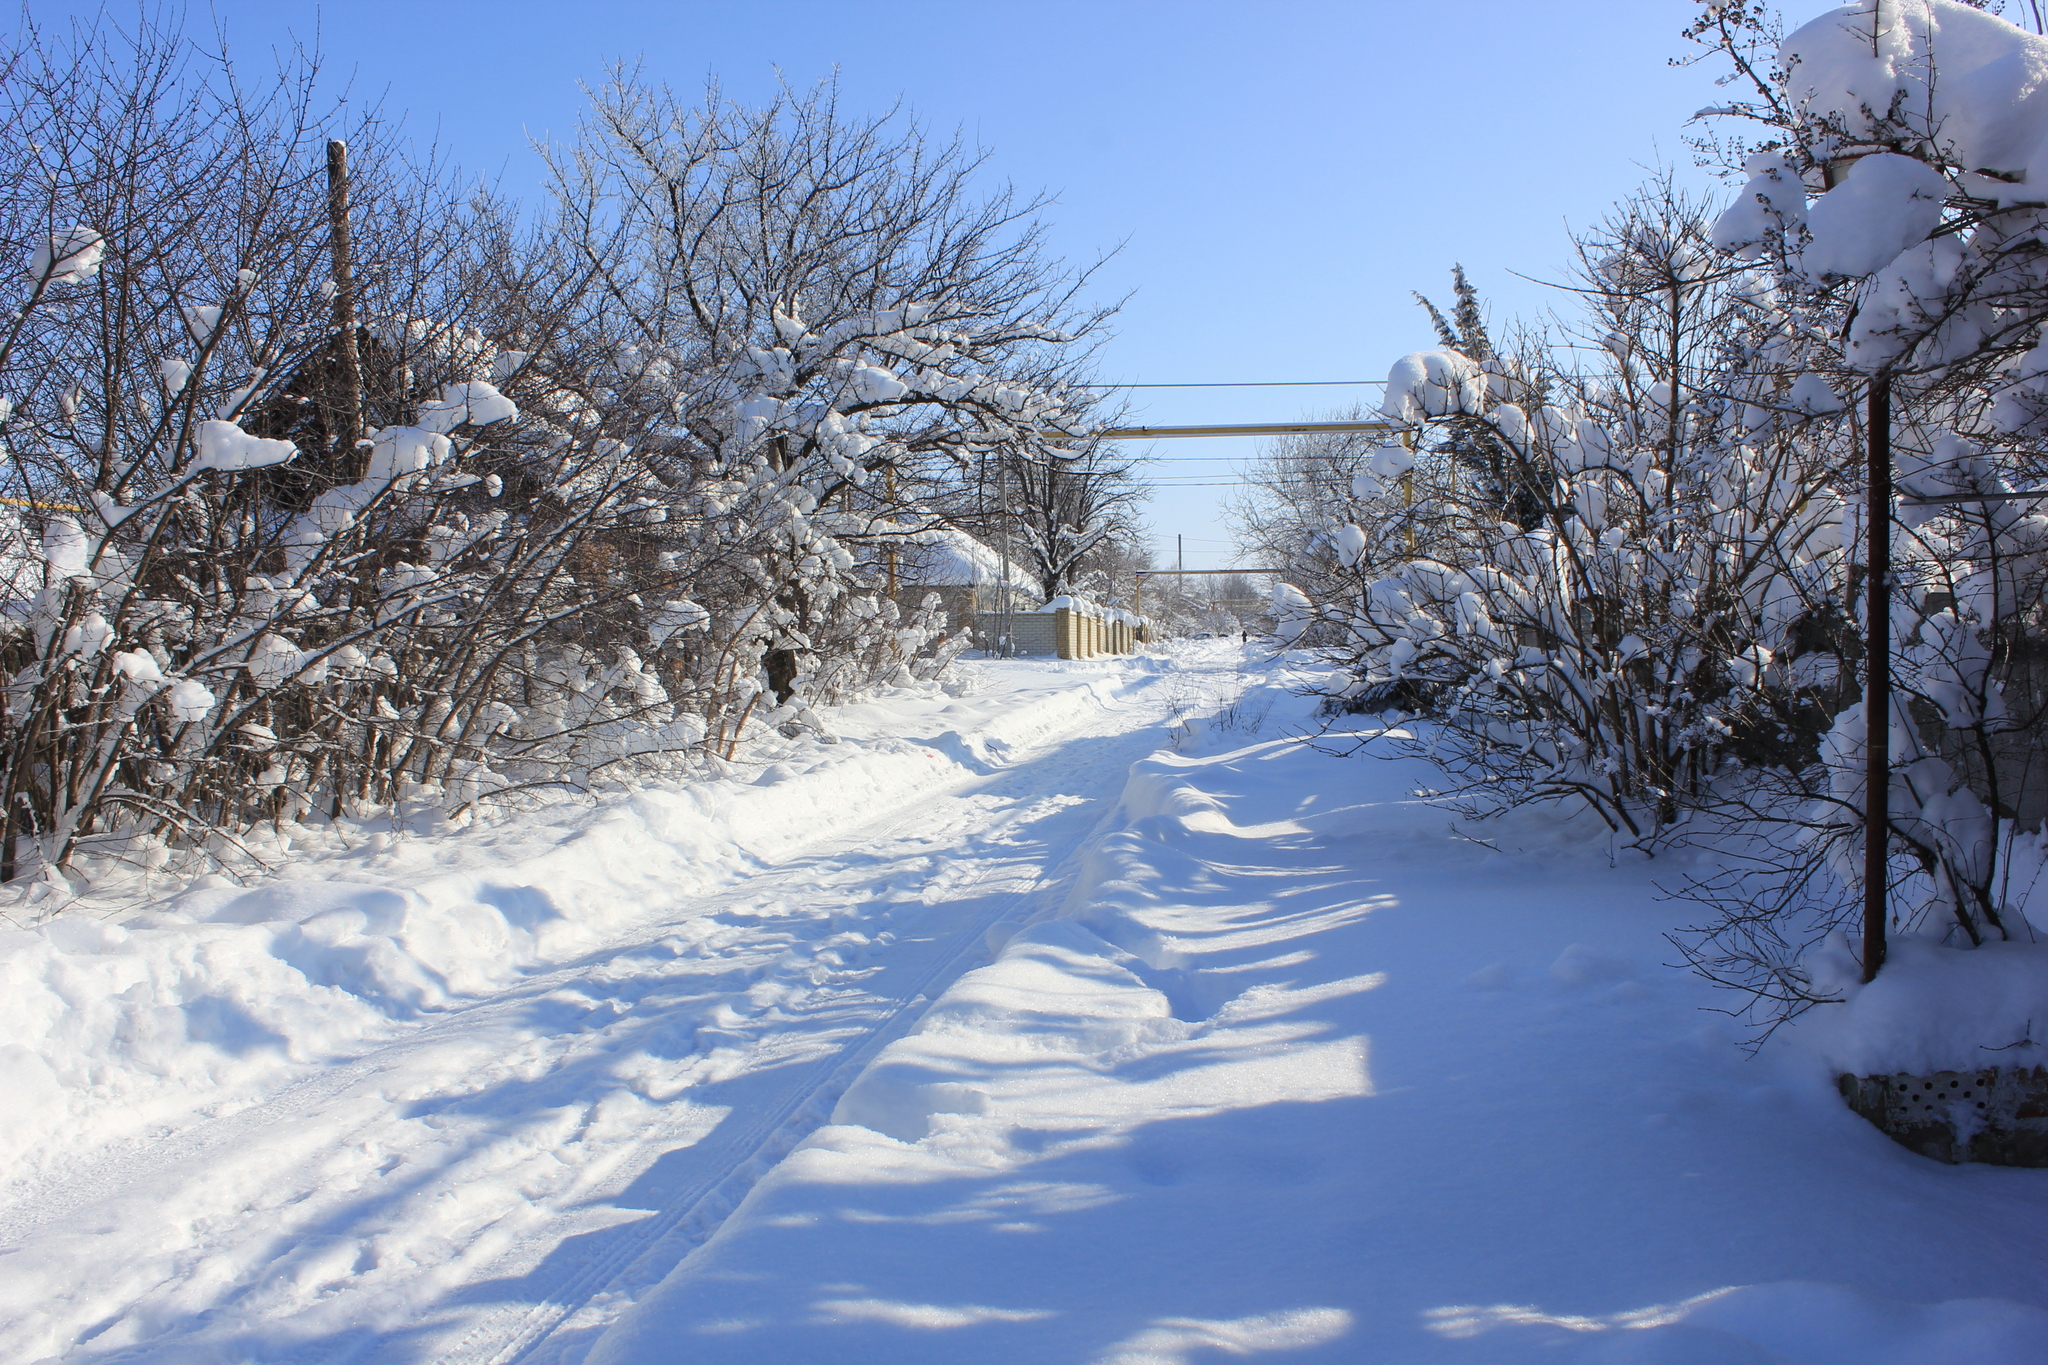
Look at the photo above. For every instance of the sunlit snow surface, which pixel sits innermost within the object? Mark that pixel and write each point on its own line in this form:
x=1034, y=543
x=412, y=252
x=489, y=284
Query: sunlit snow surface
x=1267, y=1063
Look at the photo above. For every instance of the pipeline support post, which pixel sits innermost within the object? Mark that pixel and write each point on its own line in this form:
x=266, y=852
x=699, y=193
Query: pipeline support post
x=1877, y=663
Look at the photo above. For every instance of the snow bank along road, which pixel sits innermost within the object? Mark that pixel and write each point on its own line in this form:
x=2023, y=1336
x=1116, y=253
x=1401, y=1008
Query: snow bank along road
x=453, y=1098
x=1275, y=1066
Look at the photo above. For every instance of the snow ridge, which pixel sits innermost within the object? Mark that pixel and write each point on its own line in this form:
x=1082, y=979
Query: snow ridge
x=354, y=1032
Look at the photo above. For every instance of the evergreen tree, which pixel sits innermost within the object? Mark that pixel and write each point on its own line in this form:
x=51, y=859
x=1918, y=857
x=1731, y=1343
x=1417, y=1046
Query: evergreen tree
x=1516, y=490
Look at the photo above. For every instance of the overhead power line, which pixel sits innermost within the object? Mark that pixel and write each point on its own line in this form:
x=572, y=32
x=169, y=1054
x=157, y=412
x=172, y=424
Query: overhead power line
x=1256, y=429
x=1245, y=384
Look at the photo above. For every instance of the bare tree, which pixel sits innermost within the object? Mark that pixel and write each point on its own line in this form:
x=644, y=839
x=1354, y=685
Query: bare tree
x=843, y=328
x=334, y=488
x=1299, y=490
x=224, y=608
x=1068, y=510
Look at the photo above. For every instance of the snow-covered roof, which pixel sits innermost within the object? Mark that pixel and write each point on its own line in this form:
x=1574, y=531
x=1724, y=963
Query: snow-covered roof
x=942, y=557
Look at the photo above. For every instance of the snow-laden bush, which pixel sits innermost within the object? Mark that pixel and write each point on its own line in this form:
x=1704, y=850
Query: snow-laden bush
x=466, y=512
x=1644, y=584
x=188, y=644
x=829, y=333
x=1619, y=583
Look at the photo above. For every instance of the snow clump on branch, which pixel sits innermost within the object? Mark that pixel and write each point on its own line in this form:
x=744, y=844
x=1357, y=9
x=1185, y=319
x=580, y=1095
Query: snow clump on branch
x=71, y=256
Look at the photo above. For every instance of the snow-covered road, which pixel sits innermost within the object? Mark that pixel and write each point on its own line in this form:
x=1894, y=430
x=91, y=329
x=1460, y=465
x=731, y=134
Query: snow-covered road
x=1299, y=1074
x=1045, y=1025
x=479, y=1182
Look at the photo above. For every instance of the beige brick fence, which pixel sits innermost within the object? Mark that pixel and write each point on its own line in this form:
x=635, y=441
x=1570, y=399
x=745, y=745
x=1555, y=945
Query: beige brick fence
x=1084, y=635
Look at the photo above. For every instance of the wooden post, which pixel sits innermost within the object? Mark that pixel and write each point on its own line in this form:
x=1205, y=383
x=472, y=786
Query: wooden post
x=345, y=416
x=889, y=550
x=1408, y=493
x=1877, y=662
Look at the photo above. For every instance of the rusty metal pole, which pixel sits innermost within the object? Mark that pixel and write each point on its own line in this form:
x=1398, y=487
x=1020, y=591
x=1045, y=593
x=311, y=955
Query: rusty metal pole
x=346, y=415
x=1877, y=662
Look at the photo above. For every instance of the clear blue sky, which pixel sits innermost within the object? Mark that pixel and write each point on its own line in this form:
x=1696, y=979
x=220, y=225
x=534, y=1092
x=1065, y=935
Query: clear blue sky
x=1279, y=176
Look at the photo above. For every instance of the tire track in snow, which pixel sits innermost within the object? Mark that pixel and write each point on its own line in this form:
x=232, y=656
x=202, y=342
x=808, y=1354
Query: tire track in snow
x=146, y=1159
x=644, y=1252
x=134, y=1161
x=523, y=1335
x=659, y=1242
x=1090, y=757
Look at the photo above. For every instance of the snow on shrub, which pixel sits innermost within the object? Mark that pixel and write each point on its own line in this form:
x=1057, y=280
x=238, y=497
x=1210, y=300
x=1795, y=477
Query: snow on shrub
x=1885, y=204
x=540, y=532
x=71, y=256
x=1433, y=384
x=1627, y=576
x=1594, y=575
x=225, y=447
x=470, y=404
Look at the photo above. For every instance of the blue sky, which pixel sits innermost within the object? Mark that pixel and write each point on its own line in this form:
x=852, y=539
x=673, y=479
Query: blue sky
x=1277, y=176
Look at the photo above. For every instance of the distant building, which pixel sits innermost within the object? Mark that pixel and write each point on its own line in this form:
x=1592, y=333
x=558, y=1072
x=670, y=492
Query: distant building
x=967, y=575
x=1004, y=610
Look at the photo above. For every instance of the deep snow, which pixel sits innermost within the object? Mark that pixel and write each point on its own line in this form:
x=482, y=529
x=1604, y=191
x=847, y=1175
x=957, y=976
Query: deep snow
x=1299, y=1073
x=422, y=1097
x=1267, y=1062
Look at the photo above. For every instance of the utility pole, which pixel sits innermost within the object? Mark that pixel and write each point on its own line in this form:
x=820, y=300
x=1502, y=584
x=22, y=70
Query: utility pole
x=1180, y=557
x=1008, y=629
x=1877, y=662
x=345, y=415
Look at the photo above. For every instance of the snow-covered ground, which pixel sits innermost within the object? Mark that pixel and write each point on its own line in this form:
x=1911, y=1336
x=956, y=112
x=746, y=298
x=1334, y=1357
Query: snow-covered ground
x=422, y=1097
x=1266, y=1061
